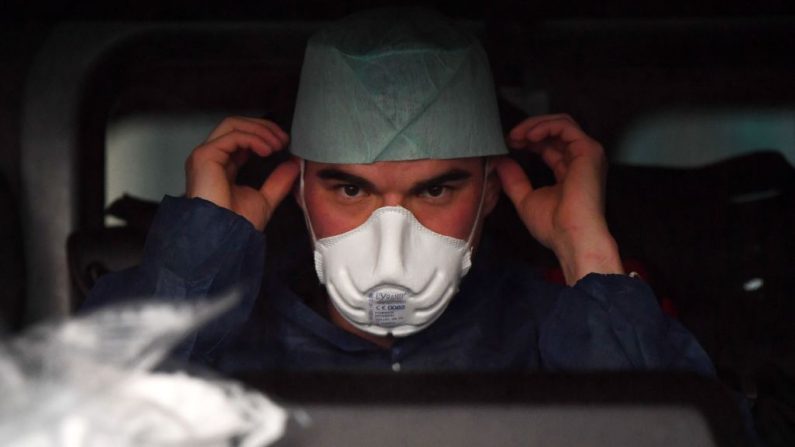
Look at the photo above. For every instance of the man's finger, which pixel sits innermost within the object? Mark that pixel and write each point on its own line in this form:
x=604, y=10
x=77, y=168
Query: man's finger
x=514, y=180
x=567, y=140
x=220, y=149
x=557, y=128
x=267, y=130
x=517, y=137
x=273, y=127
x=229, y=124
x=280, y=182
x=269, y=127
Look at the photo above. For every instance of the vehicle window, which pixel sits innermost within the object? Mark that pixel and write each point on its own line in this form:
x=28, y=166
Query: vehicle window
x=688, y=138
x=146, y=152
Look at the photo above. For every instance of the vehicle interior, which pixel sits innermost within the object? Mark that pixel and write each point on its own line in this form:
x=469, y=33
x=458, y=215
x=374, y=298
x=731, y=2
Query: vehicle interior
x=100, y=104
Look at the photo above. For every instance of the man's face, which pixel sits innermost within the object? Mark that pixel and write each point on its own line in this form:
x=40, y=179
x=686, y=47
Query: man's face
x=442, y=194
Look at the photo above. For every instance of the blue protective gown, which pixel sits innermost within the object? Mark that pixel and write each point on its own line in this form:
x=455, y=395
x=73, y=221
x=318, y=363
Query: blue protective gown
x=504, y=318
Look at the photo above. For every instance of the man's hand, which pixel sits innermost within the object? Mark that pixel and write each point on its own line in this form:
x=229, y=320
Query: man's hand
x=212, y=167
x=567, y=217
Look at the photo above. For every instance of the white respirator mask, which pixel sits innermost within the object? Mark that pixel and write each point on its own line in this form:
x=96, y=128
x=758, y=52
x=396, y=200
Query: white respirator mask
x=391, y=274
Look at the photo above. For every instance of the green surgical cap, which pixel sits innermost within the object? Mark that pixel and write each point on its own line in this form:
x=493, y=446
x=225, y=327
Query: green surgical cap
x=395, y=84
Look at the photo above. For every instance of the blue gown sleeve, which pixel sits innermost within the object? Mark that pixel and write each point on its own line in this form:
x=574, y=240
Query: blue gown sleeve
x=194, y=250
x=613, y=322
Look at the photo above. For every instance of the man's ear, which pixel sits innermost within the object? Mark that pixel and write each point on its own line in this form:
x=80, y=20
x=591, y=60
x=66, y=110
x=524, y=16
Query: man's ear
x=492, y=193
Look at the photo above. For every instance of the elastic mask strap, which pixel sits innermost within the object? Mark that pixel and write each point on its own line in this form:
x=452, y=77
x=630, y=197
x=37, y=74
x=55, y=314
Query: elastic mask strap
x=303, y=202
x=487, y=168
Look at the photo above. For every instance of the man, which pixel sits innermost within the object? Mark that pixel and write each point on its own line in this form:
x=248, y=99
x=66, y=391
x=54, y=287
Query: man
x=398, y=159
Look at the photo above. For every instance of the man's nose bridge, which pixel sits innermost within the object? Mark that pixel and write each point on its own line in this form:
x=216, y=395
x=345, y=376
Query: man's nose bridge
x=389, y=262
x=393, y=199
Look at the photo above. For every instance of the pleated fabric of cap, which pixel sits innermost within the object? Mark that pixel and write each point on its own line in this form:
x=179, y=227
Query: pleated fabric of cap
x=395, y=84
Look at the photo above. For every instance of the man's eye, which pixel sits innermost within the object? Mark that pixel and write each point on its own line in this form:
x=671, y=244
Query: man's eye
x=351, y=190
x=436, y=191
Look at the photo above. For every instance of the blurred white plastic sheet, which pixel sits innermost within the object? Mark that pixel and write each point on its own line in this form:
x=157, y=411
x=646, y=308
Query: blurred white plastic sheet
x=88, y=382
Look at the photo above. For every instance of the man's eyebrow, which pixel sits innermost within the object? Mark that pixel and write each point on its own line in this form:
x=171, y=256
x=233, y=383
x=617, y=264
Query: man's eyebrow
x=342, y=176
x=452, y=175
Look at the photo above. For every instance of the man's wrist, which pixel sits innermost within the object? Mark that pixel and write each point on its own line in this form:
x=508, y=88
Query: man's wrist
x=594, y=253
